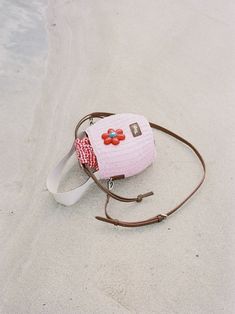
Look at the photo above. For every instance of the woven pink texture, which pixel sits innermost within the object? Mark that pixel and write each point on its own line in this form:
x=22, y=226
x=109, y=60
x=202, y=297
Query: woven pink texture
x=131, y=155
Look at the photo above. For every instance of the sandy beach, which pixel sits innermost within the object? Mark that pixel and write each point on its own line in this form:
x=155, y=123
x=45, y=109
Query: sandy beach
x=173, y=62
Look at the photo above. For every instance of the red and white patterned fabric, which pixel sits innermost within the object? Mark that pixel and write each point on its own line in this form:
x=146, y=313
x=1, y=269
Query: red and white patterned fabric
x=85, y=153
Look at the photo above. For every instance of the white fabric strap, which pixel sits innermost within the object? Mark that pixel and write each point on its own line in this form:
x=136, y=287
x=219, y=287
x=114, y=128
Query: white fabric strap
x=69, y=197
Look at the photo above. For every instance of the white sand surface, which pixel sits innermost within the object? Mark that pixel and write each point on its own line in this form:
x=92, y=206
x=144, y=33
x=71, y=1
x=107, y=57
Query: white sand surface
x=172, y=61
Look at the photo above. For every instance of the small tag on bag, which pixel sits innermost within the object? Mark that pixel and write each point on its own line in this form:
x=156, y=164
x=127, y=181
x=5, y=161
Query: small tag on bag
x=135, y=129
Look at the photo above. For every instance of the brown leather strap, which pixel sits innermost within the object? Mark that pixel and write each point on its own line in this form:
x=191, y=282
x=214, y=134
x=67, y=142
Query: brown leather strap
x=154, y=219
x=117, y=197
x=117, y=222
x=90, y=116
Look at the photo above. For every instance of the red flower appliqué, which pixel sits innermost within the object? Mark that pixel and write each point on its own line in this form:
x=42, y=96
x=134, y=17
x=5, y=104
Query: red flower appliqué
x=113, y=136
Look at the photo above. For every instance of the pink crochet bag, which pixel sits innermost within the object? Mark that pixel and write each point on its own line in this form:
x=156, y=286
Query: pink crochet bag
x=115, y=147
x=129, y=147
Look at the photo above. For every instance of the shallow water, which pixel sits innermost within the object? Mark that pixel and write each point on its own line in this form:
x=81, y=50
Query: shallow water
x=23, y=55
x=23, y=40
x=23, y=34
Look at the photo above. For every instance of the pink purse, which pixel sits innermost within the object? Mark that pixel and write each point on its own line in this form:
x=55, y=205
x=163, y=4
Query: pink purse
x=115, y=147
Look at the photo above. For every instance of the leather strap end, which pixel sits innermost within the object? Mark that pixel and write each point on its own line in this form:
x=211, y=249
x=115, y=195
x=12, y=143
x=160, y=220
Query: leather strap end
x=110, y=221
x=141, y=196
x=148, y=194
